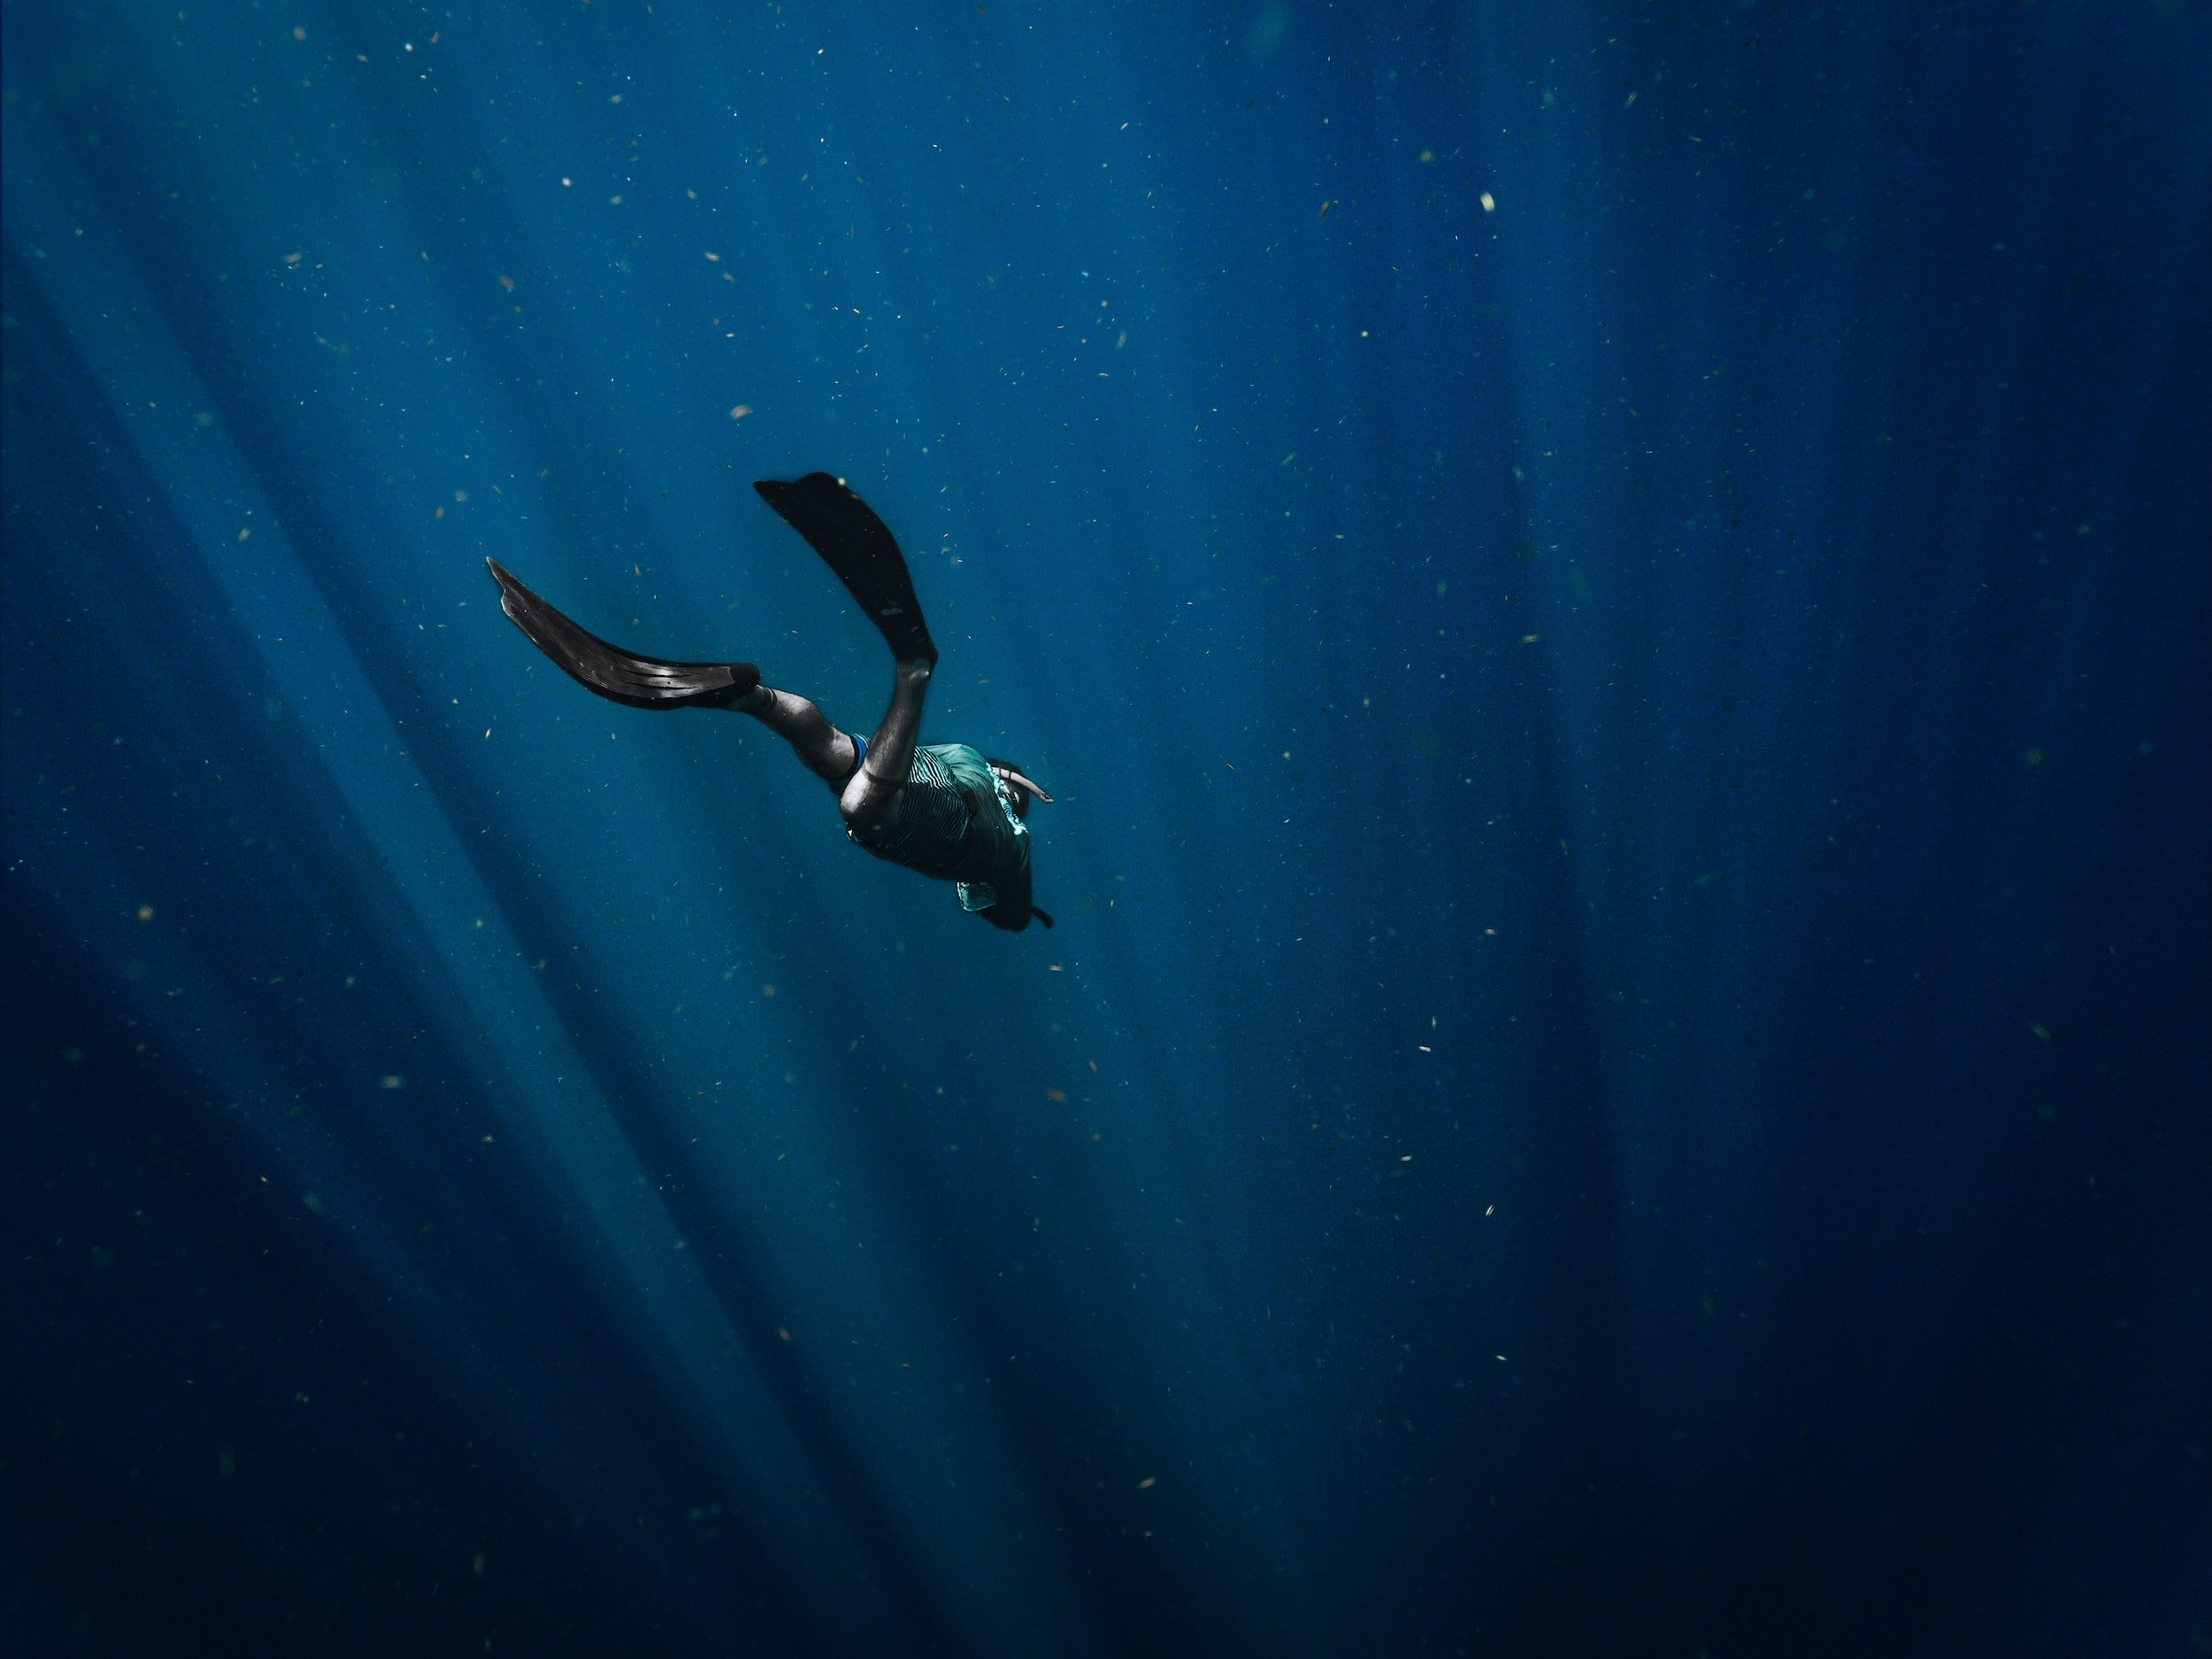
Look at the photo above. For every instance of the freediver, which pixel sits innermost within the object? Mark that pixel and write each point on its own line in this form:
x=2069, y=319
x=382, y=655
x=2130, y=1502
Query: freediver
x=942, y=809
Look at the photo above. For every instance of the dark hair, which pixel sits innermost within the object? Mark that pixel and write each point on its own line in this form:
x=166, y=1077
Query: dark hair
x=1014, y=793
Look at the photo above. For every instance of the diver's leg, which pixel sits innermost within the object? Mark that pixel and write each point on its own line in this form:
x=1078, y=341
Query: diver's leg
x=875, y=788
x=821, y=748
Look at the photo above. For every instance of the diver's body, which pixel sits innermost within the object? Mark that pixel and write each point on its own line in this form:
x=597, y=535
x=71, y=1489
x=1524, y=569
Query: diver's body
x=957, y=816
x=944, y=810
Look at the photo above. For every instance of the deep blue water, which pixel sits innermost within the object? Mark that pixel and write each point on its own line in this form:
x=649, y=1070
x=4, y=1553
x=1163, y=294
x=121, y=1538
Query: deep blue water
x=1618, y=600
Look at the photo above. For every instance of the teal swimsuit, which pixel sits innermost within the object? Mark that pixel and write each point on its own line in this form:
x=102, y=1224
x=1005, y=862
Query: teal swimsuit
x=955, y=821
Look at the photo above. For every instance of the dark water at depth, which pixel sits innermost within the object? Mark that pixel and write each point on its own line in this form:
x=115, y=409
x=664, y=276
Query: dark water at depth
x=1616, y=600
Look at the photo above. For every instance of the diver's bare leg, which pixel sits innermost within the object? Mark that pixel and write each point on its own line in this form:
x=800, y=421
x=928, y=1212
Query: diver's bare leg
x=821, y=748
x=874, y=790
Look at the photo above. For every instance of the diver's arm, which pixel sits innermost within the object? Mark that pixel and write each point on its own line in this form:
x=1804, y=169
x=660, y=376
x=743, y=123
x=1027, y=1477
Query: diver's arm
x=1012, y=911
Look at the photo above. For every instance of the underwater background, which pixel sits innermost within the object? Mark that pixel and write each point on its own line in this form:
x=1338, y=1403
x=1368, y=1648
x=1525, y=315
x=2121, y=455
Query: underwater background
x=1615, y=598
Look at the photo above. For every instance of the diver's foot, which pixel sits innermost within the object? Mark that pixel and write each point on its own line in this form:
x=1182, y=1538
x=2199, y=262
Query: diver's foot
x=860, y=550
x=620, y=676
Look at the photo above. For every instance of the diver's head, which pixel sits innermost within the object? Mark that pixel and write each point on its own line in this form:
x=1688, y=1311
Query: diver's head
x=1019, y=788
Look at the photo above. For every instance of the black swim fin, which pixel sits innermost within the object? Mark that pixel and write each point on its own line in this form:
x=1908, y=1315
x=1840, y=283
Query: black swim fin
x=644, y=682
x=855, y=544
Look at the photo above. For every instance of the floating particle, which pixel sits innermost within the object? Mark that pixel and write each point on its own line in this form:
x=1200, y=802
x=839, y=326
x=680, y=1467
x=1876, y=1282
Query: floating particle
x=1489, y=202
x=1146, y=1482
x=738, y=411
x=1055, y=1094
x=391, y=1079
x=145, y=913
